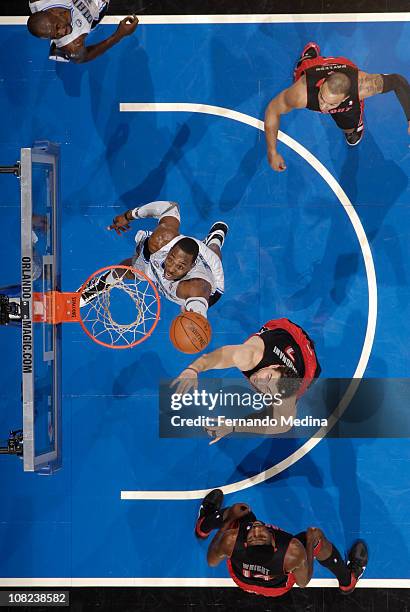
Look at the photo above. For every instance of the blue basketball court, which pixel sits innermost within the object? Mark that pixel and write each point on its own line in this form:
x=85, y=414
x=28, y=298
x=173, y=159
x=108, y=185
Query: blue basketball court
x=176, y=113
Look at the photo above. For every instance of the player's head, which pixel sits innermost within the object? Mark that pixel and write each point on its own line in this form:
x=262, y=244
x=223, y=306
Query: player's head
x=333, y=91
x=276, y=379
x=258, y=535
x=46, y=24
x=180, y=259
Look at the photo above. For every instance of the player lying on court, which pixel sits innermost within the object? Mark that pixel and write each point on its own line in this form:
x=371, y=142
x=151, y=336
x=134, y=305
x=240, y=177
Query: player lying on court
x=331, y=85
x=185, y=270
x=279, y=358
x=265, y=560
x=67, y=23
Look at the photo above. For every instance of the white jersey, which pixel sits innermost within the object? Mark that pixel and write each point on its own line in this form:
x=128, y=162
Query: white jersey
x=208, y=266
x=85, y=14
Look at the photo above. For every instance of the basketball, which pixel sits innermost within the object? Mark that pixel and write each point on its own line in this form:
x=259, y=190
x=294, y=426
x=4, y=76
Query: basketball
x=190, y=332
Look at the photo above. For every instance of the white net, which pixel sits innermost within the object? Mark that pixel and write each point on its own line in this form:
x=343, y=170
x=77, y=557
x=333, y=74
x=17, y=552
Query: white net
x=119, y=307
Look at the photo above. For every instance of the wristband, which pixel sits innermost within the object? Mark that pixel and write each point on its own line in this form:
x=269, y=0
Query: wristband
x=193, y=369
x=134, y=213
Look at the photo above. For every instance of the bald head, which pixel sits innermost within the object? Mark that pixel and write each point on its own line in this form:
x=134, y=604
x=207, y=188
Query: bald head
x=40, y=24
x=53, y=23
x=338, y=84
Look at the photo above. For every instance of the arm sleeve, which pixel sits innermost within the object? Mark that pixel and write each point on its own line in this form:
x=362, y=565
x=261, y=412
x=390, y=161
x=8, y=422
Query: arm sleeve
x=401, y=87
x=197, y=304
x=157, y=210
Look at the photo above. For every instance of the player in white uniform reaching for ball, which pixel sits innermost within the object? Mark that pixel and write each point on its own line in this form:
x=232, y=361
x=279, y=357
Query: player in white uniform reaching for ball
x=185, y=270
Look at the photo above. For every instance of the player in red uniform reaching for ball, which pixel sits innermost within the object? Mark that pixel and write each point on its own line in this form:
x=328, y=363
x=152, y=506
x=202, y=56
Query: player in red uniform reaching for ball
x=280, y=352
x=331, y=85
x=265, y=560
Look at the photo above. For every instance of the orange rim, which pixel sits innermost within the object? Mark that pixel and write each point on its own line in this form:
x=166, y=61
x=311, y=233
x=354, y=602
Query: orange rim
x=142, y=276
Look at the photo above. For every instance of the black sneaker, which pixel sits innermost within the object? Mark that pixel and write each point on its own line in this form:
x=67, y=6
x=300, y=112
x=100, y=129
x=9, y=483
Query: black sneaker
x=92, y=290
x=211, y=504
x=353, y=138
x=357, y=561
x=218, y=231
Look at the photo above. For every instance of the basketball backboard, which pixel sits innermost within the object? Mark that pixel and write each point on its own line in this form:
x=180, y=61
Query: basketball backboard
x=40, y=272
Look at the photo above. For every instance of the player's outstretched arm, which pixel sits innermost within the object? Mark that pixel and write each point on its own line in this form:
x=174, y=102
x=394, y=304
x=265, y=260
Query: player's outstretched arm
x=282, y=412
x=240, y=356
x=223, y=543
x=80, y=54
x=165, y=211
x=285, y=101
x=373, y=84
x=221, y=546
x=299, y=560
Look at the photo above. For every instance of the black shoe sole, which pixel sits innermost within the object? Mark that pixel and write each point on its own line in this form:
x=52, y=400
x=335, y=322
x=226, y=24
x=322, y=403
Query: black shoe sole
x=214, y=499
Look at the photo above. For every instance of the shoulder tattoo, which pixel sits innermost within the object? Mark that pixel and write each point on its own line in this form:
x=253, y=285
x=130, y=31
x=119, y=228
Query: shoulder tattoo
x=370, y=84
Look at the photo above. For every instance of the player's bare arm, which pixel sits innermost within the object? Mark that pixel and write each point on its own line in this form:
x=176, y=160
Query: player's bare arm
x=221, y=546
x=289, y=99
x=373, y=84
x=281, y=411
x=223, y=543
x=194, y=287
x=79, y=53
x=299, y=560
x=369, y=84
x=242, y=356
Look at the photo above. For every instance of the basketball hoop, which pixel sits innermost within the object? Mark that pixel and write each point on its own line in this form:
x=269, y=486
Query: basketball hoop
x=117, y=306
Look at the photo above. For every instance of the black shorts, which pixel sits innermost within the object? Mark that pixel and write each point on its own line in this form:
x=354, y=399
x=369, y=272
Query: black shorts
x=352, y=119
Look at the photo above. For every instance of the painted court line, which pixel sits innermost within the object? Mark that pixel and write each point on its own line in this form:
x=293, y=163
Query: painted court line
x=372, y=294
x=263, y=18
x=181, y=582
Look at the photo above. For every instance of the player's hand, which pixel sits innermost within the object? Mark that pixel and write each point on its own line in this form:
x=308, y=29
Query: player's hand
x=237, y=511
x=186, y=381
x=408, y=129
x=120, y=224
x=127, y=26
x=216, y=432
x=277, y=162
